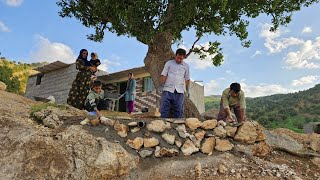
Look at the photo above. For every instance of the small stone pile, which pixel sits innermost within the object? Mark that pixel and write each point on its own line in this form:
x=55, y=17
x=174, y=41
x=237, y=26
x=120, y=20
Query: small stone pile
x=169, y=137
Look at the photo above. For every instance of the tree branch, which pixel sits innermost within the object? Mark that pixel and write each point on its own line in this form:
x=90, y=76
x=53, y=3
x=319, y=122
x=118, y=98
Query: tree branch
x=191, y=50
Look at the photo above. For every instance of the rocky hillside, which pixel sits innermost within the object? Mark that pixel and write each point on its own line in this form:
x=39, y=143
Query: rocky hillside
x=116, y=148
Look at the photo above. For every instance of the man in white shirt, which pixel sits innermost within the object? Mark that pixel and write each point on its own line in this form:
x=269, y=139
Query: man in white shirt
x=174, y=77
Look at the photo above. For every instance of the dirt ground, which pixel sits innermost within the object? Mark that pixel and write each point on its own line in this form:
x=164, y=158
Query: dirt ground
x=238, y=165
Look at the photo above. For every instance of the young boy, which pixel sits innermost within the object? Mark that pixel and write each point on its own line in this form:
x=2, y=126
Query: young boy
x=95, y=99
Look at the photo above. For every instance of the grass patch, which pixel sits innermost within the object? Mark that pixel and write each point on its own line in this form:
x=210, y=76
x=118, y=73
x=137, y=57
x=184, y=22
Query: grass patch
x=39, y=107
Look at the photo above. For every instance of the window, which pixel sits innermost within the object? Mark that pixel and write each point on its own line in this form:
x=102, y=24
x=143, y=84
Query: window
x=147, y=84
x=39, y=77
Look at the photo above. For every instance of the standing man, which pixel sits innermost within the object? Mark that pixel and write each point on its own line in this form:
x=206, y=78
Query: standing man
x=130, y=93
x=174, y=77
x=233, y=98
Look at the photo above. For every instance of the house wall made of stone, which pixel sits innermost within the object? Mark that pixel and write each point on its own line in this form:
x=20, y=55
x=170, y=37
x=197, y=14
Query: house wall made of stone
x=56, y=83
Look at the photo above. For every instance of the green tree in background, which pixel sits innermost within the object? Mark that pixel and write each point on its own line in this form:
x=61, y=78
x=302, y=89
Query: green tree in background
x=160, y=23
x=12, y=82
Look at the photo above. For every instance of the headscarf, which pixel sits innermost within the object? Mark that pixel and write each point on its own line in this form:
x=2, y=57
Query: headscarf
x=86, y=62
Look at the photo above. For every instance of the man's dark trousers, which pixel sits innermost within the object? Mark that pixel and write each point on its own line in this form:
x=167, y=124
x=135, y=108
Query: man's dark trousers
x=176, y=100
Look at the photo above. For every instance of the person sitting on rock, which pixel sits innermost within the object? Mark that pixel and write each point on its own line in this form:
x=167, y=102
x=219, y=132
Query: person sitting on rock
x=232, y=98
x=95, y=100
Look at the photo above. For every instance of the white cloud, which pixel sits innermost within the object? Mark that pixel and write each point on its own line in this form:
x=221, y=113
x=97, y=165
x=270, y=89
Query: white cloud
x=264, y=89
x=229, y=72
x=273, y=41
x=304, y=80
x=211, y=87
x=14, y=3
x=109, y=66
x=306, y=57
x=3, y=27
x=256, y=54
x=194, y=60
x=307, y=29
x=52, y=51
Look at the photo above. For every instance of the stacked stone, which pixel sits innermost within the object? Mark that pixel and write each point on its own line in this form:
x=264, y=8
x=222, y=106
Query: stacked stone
x=169, y=137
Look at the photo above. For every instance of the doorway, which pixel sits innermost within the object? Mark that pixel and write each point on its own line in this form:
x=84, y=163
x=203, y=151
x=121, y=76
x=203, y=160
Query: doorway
x=122, y=103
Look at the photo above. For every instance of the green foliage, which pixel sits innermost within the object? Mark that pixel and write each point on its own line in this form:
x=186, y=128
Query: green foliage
x=212, y=102
x=147, y=19
x=12, y=82
x=15, y=74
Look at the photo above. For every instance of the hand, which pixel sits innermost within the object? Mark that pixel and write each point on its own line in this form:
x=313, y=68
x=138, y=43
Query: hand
x=98, y=113
x=160, y=89
x=230, y=119
x=188, y=92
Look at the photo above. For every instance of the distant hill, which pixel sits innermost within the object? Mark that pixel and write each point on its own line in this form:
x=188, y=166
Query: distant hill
x=15, y=74
x=212, y=102
x=290, y=111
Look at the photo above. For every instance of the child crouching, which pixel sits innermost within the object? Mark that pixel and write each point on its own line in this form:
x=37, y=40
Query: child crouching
x=95, y=99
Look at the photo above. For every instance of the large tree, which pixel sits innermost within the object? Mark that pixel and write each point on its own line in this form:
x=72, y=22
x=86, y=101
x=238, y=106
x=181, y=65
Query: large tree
x=159, y=24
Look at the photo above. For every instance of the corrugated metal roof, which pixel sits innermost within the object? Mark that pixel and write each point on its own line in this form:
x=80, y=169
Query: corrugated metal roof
x=121, y=74
x=52, y=67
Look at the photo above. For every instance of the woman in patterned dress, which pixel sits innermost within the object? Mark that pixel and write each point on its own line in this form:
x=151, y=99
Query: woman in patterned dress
x=81, y=85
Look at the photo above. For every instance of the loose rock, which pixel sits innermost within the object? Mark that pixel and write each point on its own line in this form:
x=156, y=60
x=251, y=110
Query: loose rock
x=231, y=131
x=188, y=148
x=158, y=126
x=208, y=145
x=209, y=124
x=150, y=142
x=220, y=132
x=145, y=153
x=223, y=145
x=246, y=133
x=169, y=138
x=164, y=152
x=193, y=123
x=122, y=129
x=182, y=131
x=136, y=143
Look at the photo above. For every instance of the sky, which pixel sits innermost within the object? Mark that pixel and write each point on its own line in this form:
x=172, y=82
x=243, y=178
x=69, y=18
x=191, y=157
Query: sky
x=284, y=61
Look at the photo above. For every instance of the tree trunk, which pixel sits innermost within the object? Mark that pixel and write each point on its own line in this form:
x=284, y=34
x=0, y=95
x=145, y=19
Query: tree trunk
x=159, y=52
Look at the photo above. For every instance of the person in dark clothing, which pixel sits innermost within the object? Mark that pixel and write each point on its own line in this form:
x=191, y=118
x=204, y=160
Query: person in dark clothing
x=81, y=85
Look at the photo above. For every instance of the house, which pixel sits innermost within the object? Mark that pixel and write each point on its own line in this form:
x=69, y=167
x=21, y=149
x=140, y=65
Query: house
x=56, y=79
x=146, y=95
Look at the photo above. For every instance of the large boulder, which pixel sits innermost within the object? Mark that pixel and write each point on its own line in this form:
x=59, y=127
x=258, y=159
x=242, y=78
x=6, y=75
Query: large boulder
x=282, y=142
x=30, y=152
x=3, y=86
x=246, y=133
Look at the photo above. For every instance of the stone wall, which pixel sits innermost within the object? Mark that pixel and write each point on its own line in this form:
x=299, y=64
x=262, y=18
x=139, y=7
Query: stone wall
x=174, y=137
x=56, y=83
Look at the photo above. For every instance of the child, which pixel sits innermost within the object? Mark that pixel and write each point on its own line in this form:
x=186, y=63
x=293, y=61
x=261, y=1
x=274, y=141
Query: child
x=95, y=99
x=94, y=61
